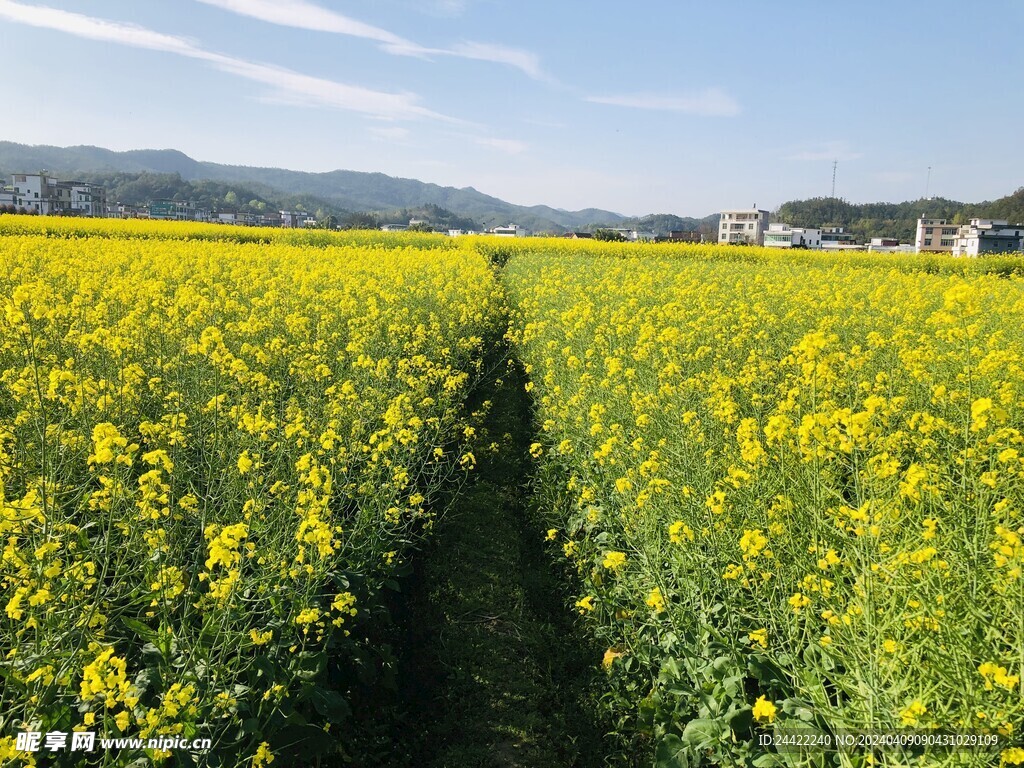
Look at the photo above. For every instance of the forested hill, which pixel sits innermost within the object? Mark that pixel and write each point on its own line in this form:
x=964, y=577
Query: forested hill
x=868, y=220
x=344, y=190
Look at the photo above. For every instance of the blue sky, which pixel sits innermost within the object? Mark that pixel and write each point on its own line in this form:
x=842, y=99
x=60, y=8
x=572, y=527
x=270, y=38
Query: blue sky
x=663, y=106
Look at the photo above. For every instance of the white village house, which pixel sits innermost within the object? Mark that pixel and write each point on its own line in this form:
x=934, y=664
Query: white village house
x=744, y=226
x=784, y=236
x=984, y=236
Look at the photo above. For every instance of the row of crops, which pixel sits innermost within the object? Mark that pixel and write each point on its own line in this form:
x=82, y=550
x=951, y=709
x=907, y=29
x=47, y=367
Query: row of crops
x=144, y=229
x=786, y=488
x=792, y=493
x=213, y=459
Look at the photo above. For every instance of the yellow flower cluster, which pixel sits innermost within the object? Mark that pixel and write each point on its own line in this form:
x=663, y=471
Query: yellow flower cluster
x=827, y=448
x=214, y=445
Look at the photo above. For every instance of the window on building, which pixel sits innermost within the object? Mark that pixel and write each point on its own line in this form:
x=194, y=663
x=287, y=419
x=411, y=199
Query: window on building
x=927, y=241
x=946, y=242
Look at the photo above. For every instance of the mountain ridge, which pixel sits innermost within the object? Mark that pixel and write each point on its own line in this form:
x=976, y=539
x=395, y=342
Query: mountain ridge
x=357, y=191
x=384, y=196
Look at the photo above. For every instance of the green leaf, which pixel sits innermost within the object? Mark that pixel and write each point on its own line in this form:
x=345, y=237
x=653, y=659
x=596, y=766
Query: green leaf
x=740, y=720
x=148, y=679
x=701, y=733
x=12, y=680
x=720, y=667
x=766, y=672
x=671, y=753
x=152, y=655
x=140, y=629
x=313, y=741
x=710, y=703
x=330, y=704
x=265, y=667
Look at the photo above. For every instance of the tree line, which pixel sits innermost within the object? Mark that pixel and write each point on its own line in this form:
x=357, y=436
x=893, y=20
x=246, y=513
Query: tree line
x=899, y=220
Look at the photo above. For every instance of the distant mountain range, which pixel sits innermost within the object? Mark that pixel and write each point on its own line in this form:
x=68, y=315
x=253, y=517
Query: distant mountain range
x=139, y=175
x=352, y=191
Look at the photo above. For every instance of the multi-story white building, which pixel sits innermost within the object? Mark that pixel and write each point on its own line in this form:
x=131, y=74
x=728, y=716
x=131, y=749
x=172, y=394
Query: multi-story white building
x=832, y=237
x=81, y=198
x=294, y=219
x=39, y=193
x=785, y=236
x=512, y=230
x=30, y=192
x=983, y=236
x=935, y=235
x=742, y=227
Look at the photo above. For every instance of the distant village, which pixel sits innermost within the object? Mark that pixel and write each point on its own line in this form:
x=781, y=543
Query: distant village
x=980, y=236
x=41, y=194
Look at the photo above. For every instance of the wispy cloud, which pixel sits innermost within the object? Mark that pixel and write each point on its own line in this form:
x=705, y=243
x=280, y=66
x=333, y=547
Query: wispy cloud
x=96, y=29
x=710, y=102
x=306, y=15
x=827, y=150
x=524, y=61
x=287, y=86
x=509, y=146
x=306, y=90
x=303, y=14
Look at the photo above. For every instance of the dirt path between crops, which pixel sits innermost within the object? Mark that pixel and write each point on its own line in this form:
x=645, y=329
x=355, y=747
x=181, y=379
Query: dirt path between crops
x=500, y=676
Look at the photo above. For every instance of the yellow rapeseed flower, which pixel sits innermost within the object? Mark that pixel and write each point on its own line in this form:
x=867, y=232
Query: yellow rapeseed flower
x=613, y=560
x=764, y=711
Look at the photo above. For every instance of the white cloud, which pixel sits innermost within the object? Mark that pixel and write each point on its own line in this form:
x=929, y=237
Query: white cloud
x=306, y=90
x=305, y=15
x=828, y=150
x=287, y=86
x=710, y=102
x=527, y=62
x=302, y=14
x=96, y=29
x=391, y=133
x=510, y=146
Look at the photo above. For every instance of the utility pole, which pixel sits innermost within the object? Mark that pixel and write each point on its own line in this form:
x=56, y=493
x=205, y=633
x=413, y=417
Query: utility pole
x=928, y=182
x=834, y=164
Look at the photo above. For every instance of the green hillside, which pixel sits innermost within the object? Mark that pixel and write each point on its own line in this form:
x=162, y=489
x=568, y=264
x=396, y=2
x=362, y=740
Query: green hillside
x=340, y=190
